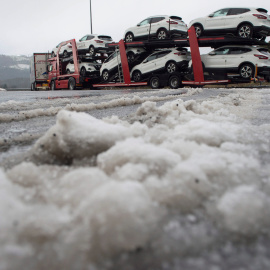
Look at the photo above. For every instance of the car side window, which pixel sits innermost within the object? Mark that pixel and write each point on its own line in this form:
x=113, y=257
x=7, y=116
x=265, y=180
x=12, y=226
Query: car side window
x=84, y=38
x=157, y=19
x=161, y=54
x=144, y=22
x=221, y=12
x=151, y=57
x=237, y=11
x=90, y=37
x=239, y=50
x=222, y=51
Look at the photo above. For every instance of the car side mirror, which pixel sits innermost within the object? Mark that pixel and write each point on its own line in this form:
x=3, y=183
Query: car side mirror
x=145, y=61
x=211, y=15
x=212, y=53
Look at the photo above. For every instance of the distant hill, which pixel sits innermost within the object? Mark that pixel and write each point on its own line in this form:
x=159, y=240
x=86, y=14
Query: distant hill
x=14, y=71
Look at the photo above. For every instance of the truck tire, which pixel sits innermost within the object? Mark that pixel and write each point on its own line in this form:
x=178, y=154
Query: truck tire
x=175, y=82
x=71, y=84
x=154, y=82
x=52, y=85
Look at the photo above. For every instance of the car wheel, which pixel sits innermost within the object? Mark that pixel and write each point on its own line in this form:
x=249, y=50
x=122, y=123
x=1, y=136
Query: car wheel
x=71, y=84
x=65, y=54
x=129, y=37
x=246, y=71
x=136, y=76
x=162, y=34
x=68, y=71
x=92, y=51
x=105, y=75
x=171, y=67
x=83, y=72
x=154, y=82
x=52, y=85
x=198, y=30
x=131, y=57
x=245, y=31
x=175, y=82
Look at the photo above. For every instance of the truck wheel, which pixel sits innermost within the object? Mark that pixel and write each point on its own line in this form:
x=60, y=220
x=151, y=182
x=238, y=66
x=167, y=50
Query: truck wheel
x=92, y=51
x=52, y=85
x=71, y=84
x=175, y=82
x=154, y=82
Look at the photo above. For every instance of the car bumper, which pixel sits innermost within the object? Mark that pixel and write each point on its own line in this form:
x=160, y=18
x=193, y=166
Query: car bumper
x=264, y=71
x=179, y=33
x=262, y=30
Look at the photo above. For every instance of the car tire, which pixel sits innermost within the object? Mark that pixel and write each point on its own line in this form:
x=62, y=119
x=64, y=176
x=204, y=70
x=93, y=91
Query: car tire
x=245, y=31
x=175, y=82
x=129, y=37
x=92, y=50
x=171, y=67
x=71, y=84
x=198, y=30
x=246, y=71
x=65, y=54
x=154, y=82
x=83, y=71
x=137, y=76
x=162, y=34
x=105, y=75
x=131, y=57
x=68, y=71
x=52, y=85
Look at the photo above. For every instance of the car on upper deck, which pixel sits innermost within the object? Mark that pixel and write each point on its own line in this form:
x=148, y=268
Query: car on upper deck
x=245, y=22
x=159, y=27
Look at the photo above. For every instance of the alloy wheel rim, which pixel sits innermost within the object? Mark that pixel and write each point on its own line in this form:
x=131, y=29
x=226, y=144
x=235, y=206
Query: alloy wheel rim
x=174, y=82
x=105, y=76
x=162, y=35
x=171, y=68
x=155, y=83
x=129, y=38
x=198, y=31
x=244, y=31
x=246, y=72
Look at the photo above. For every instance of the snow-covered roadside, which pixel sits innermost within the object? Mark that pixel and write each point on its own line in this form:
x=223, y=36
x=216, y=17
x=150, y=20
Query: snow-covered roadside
x=2, y=89
x=179, y=186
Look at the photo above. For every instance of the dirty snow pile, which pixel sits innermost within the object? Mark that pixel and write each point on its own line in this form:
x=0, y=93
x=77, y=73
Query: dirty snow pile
x=179, y=186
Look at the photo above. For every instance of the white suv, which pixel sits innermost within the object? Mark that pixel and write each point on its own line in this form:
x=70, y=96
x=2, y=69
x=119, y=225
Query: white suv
x=161, y=27
x=110, y=65
x=244, y=22
x=238, y=59
x=84, y=68
x=169, y=60
x=65, y=50
x=92, y=44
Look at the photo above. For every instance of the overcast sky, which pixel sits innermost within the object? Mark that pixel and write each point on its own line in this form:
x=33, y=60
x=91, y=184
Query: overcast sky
x=28, y=26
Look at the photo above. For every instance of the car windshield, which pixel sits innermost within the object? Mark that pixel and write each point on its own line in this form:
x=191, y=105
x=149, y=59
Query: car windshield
x=106, y=38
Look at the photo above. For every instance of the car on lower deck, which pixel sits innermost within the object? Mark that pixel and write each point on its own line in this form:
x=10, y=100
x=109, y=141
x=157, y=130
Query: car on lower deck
x=244, y=22
x=85, y=68
x=92, y=44
x=166, y=60
x=241, y=60
x=159, y=27
x=111, y=64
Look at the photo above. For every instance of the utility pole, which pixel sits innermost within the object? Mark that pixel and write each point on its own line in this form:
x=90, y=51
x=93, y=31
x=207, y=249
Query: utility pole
x=91, y=17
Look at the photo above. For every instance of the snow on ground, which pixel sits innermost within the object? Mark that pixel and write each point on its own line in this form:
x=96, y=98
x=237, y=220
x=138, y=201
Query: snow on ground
x=180, y=186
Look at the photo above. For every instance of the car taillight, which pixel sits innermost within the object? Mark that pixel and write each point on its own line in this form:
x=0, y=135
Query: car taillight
x=259, y=16
x=172, y=22
x=261, y=56
x=98, y=41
